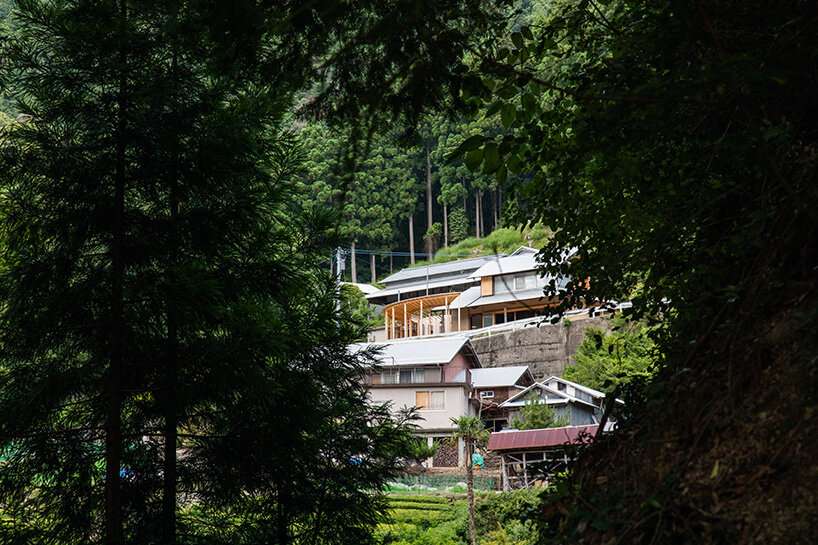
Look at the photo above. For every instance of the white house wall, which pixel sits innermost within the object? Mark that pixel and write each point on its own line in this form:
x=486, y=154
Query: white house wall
x=456, y=404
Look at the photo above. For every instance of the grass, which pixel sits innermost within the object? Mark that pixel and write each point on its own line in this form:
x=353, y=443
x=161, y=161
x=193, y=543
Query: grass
x=503, y=240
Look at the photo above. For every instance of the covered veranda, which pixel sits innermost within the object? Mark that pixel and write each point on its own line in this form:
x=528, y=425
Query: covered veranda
x=421, y=316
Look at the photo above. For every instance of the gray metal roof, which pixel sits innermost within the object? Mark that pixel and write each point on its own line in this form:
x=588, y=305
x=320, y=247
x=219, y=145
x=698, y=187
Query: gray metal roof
x=464, y=298
x=504, y=265
x=586, y=389
x=422, y=351
x=552, y=396
x=464, y=266
x=523, y=295
x=497, y=376
x=420, y=286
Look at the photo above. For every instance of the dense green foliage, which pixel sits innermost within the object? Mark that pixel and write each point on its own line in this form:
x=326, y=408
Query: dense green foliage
x=502, y=240
x=672, y=144
x=380, y=180
x=535, y=414
x=606, y=359
x=502, y=519
x=163, y=291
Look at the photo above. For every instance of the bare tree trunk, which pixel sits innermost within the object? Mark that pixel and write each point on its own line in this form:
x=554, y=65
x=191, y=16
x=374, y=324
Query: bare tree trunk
x=412, y=239
x=480, y=214
x=352, y=264
x=476, y=215
x=470, y=492
x=494, y=206
x=429, y=216
x=391, y=263
x=372, y=266
x=500, y=203
x=445, y=225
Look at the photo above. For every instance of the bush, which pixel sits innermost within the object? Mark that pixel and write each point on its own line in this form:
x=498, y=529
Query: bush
x=504, y=240
x=604, y=359
x=535, y=414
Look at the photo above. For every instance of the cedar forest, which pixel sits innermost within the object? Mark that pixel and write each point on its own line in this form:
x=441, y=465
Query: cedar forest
x=175, y=175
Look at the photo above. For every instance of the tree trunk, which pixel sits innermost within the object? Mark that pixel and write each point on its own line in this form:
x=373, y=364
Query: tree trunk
x=500, y=203
x=168, y=395
x=391, y=263
x=429, y=216
x=372, y=266
x=445, y=226
x=480, y=214
x=113, y=417
x=352, y=266
x=412, y=239
x=494, y=206
x=476, y=213
x=470, y=493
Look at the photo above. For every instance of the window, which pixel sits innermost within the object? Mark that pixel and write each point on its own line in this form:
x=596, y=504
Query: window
x=487, y=394
x=409, y=375
x=488, y=320
x=524, y=314
x=406, y=376
x=476, y=321
x=499, y=318
x=519, y=282
x=561, y=386
x=430, y=400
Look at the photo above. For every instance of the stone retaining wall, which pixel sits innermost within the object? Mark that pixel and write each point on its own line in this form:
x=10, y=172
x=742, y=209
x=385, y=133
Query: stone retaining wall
x=547, y=349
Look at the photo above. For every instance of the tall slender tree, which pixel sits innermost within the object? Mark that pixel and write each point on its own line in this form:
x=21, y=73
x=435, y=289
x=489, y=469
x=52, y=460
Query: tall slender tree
x=160, y=281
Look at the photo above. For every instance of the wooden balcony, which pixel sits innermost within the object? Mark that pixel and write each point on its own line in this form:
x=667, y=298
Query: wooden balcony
x=422, y=316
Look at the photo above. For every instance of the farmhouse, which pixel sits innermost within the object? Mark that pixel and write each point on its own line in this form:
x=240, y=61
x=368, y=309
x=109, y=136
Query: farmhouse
x=493, y=386
x=576, y=404
x=463, y=295
x=432, y=374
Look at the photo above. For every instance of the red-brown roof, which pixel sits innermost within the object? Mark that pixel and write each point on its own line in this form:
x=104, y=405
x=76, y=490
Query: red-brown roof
x=538, y=439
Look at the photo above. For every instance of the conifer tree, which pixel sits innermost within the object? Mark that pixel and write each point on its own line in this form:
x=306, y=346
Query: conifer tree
x=161, y=287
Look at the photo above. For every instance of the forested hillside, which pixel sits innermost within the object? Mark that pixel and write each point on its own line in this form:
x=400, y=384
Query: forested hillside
x=674, y=145
x=175, y=363
x=403, y=194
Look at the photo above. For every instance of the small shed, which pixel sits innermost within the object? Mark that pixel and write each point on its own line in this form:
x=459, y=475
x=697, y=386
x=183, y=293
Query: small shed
x=529, y=457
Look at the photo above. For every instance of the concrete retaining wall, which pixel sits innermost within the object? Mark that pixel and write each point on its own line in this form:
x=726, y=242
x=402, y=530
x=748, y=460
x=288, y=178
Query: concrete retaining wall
x=547, y=349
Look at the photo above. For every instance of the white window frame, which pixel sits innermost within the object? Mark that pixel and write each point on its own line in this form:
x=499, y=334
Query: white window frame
x=430, y=397
x=487, y=394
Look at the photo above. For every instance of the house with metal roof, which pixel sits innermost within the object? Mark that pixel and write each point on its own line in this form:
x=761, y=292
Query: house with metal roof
x=578, y=406
x=494, y=385
x=464, y=295
x=531, y=457
x=433, y=375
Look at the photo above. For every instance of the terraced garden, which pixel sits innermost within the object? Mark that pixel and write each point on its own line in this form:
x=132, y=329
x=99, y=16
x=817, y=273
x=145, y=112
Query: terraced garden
x=441, y=519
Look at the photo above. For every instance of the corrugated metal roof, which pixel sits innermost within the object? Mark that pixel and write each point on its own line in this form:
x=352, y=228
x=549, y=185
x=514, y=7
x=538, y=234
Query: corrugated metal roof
x=512, y=440
x=497, y=376
x=423, y=351
x=451, y=267
x=508, y=297
x=421, y=286
x=506, y=265
x=523, y=259
x=466, y=297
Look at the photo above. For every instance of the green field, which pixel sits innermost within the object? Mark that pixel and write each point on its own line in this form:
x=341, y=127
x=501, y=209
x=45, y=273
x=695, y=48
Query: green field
x=442, y=519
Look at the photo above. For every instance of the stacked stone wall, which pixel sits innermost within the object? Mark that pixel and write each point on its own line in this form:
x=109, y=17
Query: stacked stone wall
x=547, y=349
